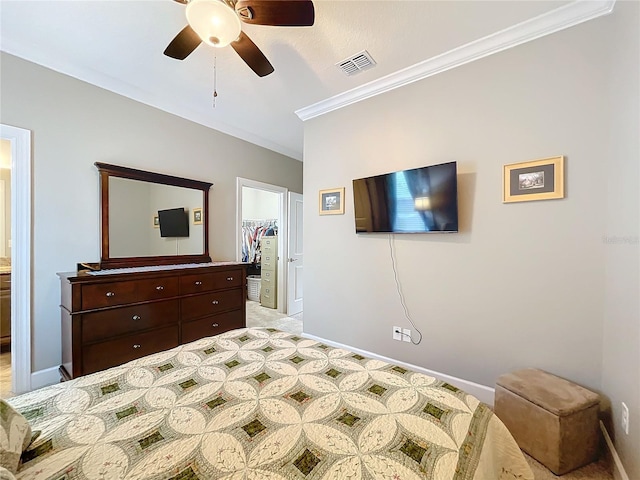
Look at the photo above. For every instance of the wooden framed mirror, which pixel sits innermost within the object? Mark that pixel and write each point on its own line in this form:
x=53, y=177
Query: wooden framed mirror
x=132, y=204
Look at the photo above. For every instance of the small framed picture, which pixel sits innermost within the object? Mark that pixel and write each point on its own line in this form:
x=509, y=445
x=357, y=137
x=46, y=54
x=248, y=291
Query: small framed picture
x=332, y=201
x=156, y=221
x=536, y=180
x=197, y=216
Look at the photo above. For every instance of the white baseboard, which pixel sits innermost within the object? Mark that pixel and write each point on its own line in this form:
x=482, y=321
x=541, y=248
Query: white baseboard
x=481, y=392
x=619, y=472
x=44, y=378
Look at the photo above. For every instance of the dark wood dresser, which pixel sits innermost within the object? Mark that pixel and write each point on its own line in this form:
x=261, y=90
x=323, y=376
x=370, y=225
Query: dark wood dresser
x=109, y=319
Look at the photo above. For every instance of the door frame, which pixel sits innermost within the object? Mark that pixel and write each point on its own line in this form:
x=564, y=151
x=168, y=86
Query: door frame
x=282, y=232
x=20, y=256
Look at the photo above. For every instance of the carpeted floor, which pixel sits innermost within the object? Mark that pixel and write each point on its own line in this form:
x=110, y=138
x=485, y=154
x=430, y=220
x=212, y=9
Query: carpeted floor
x=600, y=470
x=259, y=316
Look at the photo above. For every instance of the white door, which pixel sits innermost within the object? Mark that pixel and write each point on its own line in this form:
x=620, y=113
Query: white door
x=294, y=255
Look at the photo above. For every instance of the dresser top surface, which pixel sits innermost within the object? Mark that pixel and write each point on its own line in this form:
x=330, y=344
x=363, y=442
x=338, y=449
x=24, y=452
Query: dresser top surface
x=152, y=270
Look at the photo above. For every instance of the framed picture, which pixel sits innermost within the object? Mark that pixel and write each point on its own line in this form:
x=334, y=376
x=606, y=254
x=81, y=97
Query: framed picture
x=197, y=216
x=536, y=180
x=156, y=221
x=332, y=201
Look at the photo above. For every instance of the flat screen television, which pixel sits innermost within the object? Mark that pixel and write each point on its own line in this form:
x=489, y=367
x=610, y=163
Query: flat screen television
x=420, y=200
x=174, y=222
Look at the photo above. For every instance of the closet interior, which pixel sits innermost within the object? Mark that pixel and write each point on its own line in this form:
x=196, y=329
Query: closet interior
x=260, y=211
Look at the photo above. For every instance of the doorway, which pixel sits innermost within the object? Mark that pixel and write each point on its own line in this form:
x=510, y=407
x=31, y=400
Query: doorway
x=262, y=205
x=18, y=247
x=5, y=268
x=280, y=210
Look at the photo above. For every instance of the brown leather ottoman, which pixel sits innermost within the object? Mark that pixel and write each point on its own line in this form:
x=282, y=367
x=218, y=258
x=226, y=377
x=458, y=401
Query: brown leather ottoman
x=553, y=420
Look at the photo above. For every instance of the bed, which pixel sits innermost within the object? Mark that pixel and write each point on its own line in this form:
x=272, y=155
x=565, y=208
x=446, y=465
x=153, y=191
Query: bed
x=262, y=404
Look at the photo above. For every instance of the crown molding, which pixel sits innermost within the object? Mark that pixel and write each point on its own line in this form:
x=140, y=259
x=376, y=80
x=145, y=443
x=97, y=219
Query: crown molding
x=553, y=21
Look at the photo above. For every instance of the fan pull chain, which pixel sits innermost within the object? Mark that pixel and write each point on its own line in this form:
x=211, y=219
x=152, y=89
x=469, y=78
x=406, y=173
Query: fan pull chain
x=215, y=80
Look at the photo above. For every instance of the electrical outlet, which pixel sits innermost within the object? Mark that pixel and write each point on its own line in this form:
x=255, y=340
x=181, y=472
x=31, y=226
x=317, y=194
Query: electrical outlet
x=397, y=333
x=406, y=335
x=625, y=418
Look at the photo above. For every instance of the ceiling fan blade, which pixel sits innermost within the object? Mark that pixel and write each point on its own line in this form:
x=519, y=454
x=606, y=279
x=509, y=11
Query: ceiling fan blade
x=184, y=43
x=282, y=13
x=252, y=55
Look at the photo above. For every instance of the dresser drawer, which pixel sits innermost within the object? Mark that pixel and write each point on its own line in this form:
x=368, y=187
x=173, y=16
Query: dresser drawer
x=268, y=297
x=268, y=261
x=268, y=248
x=5, y=281
x=99, y=356
x=269, y=244
x=130, y=291
x=205, y=282
x=268, y=276
x=101, y=325
x=267, y=280
x=268, y=302
x=211, y=303
x=208, y=326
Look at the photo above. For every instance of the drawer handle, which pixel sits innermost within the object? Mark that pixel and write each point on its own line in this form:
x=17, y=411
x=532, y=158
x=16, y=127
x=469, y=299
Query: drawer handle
x=198, y=282
x=215, y=302
x=111, y=294
x=137, y=345
x=214, y=325
x=229, y=279
x=136, y=317
x=159, y=287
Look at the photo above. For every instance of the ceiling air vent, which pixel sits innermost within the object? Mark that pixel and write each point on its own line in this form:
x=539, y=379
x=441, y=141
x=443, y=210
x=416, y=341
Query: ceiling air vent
x=356, y=63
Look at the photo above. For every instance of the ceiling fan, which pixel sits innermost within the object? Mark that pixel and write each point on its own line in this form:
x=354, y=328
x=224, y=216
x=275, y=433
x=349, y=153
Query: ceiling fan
x=217, y=23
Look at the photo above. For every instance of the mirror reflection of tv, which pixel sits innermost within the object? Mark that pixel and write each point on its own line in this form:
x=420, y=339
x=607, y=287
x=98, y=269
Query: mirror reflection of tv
x=420, y=200
x=174, y=222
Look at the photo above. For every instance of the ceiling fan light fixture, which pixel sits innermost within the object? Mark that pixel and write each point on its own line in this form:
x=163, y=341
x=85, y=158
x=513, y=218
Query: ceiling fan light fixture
x=215, y=23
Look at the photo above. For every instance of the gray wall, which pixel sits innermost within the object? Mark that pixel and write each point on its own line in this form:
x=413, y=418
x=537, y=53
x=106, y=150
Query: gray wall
x=75, y=124
x=259, y=204
x=621, y=332
x=523, y=284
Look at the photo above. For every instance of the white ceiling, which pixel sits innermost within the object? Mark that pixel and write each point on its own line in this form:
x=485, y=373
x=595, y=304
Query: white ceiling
x=118, y=45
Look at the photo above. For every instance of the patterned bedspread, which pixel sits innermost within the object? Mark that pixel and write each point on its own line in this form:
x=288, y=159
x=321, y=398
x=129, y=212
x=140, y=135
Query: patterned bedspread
x=263, y=404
